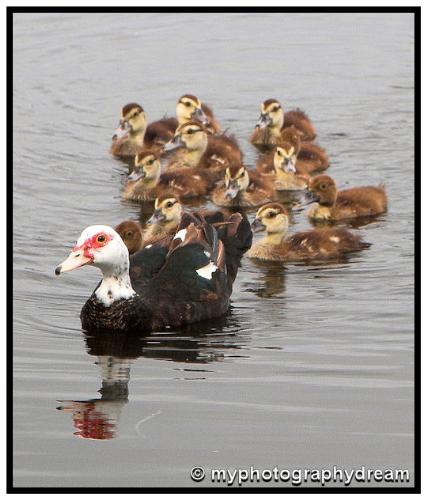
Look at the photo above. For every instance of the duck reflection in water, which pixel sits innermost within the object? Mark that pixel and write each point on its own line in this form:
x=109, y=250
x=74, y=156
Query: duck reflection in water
x=98, y=418
x=271, y=281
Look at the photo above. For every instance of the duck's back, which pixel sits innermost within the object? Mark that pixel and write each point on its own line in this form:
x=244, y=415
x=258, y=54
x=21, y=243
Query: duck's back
x=161, y=131
x=361, y=201
x=322, y=244
x=299, y=120
x=191, y=280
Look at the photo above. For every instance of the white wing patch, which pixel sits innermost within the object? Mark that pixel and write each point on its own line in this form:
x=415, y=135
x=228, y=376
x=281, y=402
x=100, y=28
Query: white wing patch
x=207, y=271
x=180, y=235
x=148, y=246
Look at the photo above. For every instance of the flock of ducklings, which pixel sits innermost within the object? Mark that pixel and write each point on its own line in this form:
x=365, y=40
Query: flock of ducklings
x=174, y=159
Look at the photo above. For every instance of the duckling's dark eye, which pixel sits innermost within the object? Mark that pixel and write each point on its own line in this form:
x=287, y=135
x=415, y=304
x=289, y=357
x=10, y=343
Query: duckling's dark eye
x=187, y=104
x=270, y=215
x=242, y=174
x=275, y=109
x=190, y=131
x=135, y=114
x=150, y=162
x=169, y=204
x=323, y=186
x=128, y=234
x=279, y=153
x=100, y=238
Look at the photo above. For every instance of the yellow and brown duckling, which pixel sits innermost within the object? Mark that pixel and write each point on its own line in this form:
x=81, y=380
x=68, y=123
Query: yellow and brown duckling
x=333, y=205
x=284, y=173
x=189, y=107
x=146, y=182
x=243, y=188
x=310, y=158
x=131, y=234
x=165, y=219
x=316, y=244
x=193, y=147
x=273, y=120
x=133, y=135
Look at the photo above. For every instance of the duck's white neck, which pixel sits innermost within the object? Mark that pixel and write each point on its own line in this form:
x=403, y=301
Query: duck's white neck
x=115, y=283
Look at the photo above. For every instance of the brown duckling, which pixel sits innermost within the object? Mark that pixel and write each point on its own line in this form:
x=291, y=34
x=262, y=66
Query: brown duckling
x=273, y=120
x=189, y=107
x=133, y=135
x=243, y=188
x=350, y=203
x=146, y=182
x=165, y=219
x=131, y=234
x=316, y=244
x=193, y=147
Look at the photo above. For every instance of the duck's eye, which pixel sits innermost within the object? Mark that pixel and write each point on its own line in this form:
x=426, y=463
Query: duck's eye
x=190, y=131
x=276, y=108
x=279, y=153
x=128, y=234
x=101, y=238
x=242, y=174
x=150, y=162
x=187, y=104
x=135, y=114
x=323, y=186
x=169, y=204
x=270, y=215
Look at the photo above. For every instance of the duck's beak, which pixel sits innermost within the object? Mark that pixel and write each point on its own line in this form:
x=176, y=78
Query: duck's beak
x=157, y=216
x=200, y=115
x=263, y=121
x=232, y=190
x=175, y=143
x=122, y=130
x=76, y=259
x=289, y=167
x=257, y=226
x=136, y=175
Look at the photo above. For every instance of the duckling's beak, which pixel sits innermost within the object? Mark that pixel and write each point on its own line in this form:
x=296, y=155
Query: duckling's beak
x=157, y=217
x=289, y=167
x=263, y=121
x=200, y=115
x=136, y=175
x=232, y=190
x=122, y=130
x=175, y=143
x=257, y=226
x=76, y=259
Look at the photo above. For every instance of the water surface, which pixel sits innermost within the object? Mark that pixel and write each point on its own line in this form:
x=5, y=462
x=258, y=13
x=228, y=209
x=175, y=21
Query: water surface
x=313, y=366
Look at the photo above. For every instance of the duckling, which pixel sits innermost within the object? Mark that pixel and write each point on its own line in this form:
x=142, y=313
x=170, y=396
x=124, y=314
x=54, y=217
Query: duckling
x=317, y=244
x=146, y=182
x=243, y=188
x=165, y=219
x=283, y=173
x=133, y=135
x=273, y=120
x=350, y=203
x=193, y=147
x=310, y=157
x=131, y=234
x=189, y=107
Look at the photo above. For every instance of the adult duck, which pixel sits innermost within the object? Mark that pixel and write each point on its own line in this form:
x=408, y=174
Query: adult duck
x=189, y=280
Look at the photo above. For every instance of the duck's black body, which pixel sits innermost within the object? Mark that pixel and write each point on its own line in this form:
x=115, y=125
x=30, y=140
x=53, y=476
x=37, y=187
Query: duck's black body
x=169, y=291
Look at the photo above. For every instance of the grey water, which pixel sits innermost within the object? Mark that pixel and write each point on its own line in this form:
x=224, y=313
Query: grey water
x=314, y=365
